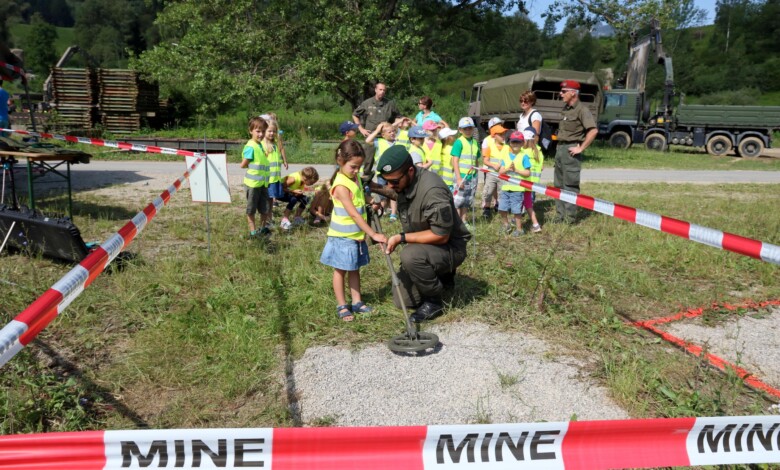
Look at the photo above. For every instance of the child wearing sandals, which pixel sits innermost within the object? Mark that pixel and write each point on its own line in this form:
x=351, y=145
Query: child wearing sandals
x=346, y=249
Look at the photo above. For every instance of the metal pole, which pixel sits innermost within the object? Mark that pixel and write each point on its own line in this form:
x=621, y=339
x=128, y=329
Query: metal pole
x=208, y=198
x=7, y=235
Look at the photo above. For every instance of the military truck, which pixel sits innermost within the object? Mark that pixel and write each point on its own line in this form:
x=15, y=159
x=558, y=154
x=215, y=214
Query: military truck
x=626, y=118
x=501, y=96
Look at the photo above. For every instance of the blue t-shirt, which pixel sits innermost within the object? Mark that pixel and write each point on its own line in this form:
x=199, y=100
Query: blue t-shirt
x=430, y=117
x=4, y=104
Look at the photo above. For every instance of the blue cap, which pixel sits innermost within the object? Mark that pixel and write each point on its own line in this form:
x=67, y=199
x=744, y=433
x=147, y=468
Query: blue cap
x=347, y=126
x=418, y=132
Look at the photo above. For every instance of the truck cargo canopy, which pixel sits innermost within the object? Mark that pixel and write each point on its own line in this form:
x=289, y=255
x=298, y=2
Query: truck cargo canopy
x=501, y=95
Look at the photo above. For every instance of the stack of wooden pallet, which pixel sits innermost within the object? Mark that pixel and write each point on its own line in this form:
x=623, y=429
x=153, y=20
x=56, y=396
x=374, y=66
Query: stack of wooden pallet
x=75, y=98
x=125, y=99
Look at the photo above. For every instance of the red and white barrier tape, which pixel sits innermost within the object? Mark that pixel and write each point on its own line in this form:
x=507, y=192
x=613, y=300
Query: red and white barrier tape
x=13, y=68
x=26, y=326
x=572, y=446
x=707, y=236
x=107, y=143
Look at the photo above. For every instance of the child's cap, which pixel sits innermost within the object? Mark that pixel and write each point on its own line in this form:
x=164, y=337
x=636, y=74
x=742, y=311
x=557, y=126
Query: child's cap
x=495, y=120
x=393, y=159
x=465, y=122
x=497, y=129
x=347, y=126
x=266, y=117
x=447, y=132
x=517, y=136
x=430, y=125
x=528, y=135
x=418, y=132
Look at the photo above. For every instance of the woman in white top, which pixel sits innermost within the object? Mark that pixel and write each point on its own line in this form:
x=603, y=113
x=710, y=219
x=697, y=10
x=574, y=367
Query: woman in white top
x=530, y=116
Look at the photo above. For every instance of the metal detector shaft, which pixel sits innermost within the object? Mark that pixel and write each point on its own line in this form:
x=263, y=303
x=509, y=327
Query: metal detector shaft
x=396, y=283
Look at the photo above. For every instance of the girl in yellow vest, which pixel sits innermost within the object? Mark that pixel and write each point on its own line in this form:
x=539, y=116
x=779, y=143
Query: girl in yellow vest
x=432, y=147
x=255, y=161
x=536, y=157
x=388, y=138
x=271, y=145
x=447, y=137
x=292, y=186
x=515, y=164
x=346, y=249
x=416, y=141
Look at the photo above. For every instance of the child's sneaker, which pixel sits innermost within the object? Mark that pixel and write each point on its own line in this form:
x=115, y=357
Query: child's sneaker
x=317, y=221
x=468, y=227
x=505, y=229
x=536, y=228
x=298, y=221
x=518, y=233
x=487, y=213
x=286, y=225
x=393, y=218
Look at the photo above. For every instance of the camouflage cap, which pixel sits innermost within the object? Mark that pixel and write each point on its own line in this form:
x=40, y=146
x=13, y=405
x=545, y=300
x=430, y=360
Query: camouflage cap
x=394, y=159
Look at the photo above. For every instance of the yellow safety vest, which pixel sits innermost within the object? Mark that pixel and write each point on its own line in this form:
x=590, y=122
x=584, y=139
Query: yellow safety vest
x=536, y=167
x=341, y=223
x=433, y=155
x=446, y=165
x=257, y=173
x=496, y=155
x=380, y=146
x=297, y=181
x=419, y=151
x=506, y=161
x=403, y=138
x=274, y=164
x=468, y=155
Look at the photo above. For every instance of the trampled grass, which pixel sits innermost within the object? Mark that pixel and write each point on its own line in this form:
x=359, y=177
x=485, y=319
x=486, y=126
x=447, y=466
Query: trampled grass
x=181, y=338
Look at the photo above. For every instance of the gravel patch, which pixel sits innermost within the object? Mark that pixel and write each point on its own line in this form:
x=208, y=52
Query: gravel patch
x=478, y=375
x=749, y=341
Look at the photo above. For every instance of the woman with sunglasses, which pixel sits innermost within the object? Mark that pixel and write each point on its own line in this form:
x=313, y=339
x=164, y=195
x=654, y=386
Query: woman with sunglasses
x=530, y=116
x=427, y=113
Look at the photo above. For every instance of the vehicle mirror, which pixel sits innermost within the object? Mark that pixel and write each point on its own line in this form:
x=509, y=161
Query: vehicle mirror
x=463, y=95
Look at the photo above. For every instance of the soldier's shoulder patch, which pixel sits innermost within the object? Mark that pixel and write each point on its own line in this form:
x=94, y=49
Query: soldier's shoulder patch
x=446, y=214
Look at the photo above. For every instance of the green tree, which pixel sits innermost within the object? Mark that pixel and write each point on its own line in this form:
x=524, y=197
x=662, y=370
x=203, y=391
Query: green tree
x=39, y=50
x=226, y=52
x=579, y=50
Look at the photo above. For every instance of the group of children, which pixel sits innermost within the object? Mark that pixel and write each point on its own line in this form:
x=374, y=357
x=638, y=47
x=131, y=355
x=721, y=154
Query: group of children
x=263, y=157
x=455, y=158
x=432, y=146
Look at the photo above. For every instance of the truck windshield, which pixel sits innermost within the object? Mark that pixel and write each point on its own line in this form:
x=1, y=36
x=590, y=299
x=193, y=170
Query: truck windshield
x=474, y=94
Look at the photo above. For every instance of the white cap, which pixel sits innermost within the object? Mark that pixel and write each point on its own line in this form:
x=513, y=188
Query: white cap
x=446, y=132
x=528, y=135
x=495, y=120
x=465, y=122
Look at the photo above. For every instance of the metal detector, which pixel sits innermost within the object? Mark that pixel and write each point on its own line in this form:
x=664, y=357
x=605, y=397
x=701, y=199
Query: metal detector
x=413, y=340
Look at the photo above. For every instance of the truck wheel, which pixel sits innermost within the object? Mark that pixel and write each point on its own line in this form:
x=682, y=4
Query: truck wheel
x=719, y=145
x=656, y=142
x=620, y=140
x=751, y=147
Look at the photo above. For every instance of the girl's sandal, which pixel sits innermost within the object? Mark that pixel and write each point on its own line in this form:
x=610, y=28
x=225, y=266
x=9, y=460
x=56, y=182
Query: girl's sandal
x=344, y=313
x=361, y=307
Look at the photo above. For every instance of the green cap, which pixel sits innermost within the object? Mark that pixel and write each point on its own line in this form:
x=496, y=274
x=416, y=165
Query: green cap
x=393, y=159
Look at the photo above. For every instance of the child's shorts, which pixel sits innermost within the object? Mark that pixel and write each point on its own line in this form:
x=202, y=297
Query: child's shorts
x=528, y=200
x=345, y=253
x=257, y=200
x=275, y=190
x=511, y=201
x=465, y=195
x=293, y=200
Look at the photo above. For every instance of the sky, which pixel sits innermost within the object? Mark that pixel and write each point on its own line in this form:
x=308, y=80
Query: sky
x=537, y=7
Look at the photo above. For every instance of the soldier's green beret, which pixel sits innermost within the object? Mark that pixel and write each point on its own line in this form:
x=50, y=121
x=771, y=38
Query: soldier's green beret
x=394, y=159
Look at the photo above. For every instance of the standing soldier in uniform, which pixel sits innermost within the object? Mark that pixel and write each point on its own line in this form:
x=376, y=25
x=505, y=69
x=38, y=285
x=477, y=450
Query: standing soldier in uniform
x=368, y=116
x=576, y=132
x=435, y=236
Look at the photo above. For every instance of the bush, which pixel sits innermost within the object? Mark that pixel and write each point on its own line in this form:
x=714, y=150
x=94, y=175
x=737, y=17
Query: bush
x=741, y=97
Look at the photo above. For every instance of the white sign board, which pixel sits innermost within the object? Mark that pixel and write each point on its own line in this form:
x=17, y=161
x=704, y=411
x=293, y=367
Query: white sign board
x=217, y=190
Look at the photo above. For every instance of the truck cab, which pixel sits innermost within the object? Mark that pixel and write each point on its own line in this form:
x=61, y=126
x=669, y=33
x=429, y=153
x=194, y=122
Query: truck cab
x=620, y=118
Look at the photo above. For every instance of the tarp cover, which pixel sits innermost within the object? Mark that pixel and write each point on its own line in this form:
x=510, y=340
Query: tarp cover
x=499, y=96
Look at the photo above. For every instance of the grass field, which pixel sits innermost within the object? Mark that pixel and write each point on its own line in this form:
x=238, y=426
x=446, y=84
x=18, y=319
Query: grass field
x=184, y=338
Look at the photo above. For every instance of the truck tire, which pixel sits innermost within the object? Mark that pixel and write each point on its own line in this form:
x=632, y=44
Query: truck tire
x=719, y=145
x=750, y=147
x=620, y=140
x=656, y=142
